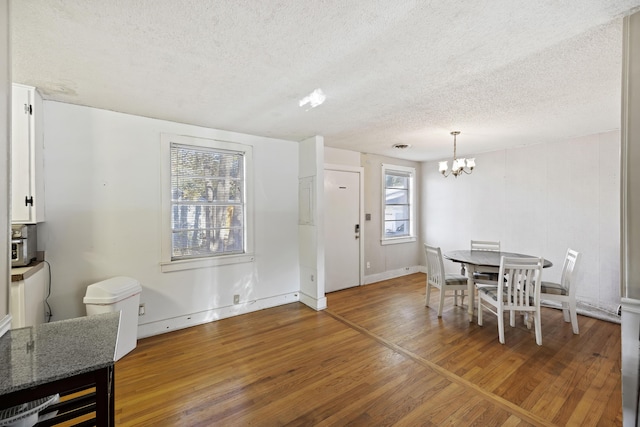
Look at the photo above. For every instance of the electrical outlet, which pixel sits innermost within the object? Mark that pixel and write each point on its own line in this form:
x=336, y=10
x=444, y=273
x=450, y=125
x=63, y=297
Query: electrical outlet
x=236, y=299
x=368, y=264
x=141, y=310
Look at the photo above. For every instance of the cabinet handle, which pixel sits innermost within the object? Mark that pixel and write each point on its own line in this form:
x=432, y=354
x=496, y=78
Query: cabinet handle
x=28, y=201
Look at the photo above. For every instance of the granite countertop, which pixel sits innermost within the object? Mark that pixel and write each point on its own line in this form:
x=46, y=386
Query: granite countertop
x=52, y=351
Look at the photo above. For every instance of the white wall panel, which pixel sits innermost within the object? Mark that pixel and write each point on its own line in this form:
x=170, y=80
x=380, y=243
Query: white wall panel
x=609, y=207
x=103, y=196
x=524, y=201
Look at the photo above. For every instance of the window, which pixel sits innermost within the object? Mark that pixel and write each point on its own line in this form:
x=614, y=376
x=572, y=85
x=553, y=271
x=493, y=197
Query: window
x=398, y=192
x=205, y=193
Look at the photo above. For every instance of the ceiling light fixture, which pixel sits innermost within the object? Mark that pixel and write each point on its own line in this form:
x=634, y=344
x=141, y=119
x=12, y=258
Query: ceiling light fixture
x=458, y=165
x=314, y=99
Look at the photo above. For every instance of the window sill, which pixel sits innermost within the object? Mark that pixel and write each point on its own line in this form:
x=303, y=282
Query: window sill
x=396, y=240
x=191, y=264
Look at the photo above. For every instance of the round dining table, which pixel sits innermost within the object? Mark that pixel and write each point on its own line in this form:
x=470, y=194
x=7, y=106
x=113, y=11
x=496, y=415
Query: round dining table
x=482, y=261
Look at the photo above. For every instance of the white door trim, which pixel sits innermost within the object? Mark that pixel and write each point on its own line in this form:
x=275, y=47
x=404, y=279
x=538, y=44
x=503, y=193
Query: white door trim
x=360, y=171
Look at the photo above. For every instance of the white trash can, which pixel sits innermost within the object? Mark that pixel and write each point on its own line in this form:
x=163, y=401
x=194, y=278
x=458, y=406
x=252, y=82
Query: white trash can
x=117, y=294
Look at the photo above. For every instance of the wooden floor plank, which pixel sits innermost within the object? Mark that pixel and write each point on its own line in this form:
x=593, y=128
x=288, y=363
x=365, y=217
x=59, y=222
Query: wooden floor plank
x=376, y=356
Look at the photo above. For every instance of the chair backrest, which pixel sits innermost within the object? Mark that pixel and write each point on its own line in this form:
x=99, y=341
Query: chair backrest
x=568, y=271
x=521, y=285
x=485, y=245
x=435, y=266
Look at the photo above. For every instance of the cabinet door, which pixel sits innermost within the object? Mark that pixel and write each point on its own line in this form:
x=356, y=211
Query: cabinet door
x=22, y=155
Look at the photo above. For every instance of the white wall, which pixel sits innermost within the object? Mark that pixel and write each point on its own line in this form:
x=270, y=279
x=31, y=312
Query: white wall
x=537, y=200
x=386, y=261
x=337, y=156
x=311, y=228
x=5, y=135
x=103, y=194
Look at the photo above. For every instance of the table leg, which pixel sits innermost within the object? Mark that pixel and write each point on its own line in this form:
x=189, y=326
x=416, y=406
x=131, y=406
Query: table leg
x=471, y=294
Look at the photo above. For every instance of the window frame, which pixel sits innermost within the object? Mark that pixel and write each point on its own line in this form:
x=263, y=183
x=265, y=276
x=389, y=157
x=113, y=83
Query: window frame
x=166, y=262
x=411, y=171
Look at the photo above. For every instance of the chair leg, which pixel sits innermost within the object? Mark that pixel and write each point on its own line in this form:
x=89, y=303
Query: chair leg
x=574, y=317
x=527, y=320
x=441, y=303
x=538, y=326
x=512, y=318
x=479, y=310
x=426, y=298
x=566, y=312
x=501, y=326
x=455, y=297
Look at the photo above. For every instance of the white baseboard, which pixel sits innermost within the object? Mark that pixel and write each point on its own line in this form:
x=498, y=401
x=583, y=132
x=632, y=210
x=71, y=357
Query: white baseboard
x=315, y=303
x=392, y=274
x=186, y=321
x=5, y=324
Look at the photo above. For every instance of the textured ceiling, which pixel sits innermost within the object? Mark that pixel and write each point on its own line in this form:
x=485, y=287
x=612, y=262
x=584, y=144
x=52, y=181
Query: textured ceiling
x=503, y=72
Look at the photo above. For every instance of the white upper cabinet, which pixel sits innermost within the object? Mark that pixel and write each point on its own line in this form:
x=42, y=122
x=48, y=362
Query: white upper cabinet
x=27, y=184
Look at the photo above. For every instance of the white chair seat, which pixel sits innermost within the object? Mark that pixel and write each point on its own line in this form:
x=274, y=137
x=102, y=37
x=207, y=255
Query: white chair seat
x=455, y=279
x=437, y=278
x=492, y=292
x=553, y=288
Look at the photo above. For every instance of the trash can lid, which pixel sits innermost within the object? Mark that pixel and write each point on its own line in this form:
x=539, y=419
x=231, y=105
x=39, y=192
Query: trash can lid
x=112, y=290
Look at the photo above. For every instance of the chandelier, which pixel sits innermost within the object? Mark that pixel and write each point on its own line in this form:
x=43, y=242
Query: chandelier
x=459, y=165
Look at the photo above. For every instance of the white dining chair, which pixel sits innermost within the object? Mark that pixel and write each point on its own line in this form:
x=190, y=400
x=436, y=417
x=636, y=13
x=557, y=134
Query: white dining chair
x=565, y=291
x=485, y=245
x=485, y=277
x=519, y=292
x=437, y=278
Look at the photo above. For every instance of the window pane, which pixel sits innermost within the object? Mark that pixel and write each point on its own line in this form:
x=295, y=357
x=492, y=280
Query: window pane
x=396, y=221
x=398, y=194
x=396, y=197
x=396, y=181
x=396, y=228
x=207, y=198
x=396, y=212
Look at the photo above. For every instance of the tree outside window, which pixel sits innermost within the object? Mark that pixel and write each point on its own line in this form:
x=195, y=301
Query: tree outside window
x=207, y=202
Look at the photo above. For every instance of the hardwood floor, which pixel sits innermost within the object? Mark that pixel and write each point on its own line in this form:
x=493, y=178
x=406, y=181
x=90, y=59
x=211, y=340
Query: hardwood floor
x=376, y=356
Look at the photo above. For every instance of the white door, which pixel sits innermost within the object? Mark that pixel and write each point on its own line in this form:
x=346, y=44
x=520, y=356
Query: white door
x=342, y=229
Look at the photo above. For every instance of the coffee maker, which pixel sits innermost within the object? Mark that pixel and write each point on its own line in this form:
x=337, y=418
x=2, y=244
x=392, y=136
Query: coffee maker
x=24, y=242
